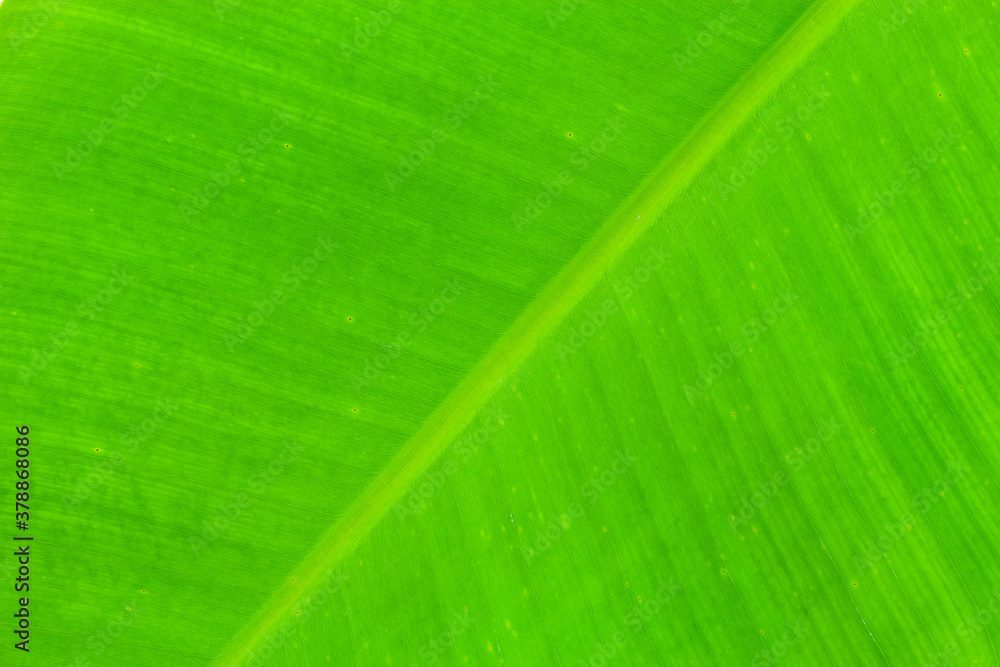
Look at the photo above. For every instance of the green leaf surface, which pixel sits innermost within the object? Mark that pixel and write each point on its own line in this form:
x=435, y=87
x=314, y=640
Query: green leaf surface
x=558, y=333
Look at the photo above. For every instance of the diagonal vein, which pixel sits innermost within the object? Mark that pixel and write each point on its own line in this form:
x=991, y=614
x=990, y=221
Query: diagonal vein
x=557, y=300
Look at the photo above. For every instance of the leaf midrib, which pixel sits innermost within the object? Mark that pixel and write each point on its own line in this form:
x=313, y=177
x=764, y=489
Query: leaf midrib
x=576, y=279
